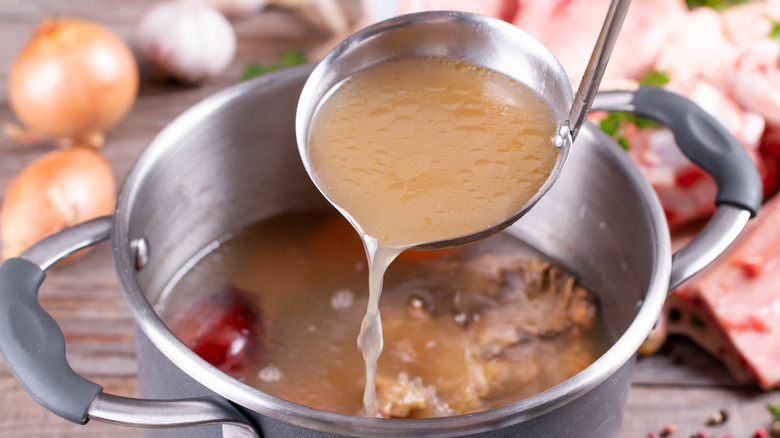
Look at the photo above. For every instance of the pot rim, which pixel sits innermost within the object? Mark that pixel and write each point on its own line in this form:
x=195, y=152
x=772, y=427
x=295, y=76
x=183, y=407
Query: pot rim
x=162, y=337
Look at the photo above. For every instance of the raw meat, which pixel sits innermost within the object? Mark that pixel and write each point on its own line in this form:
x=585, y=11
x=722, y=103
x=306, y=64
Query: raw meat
x=756, y=80
x=733, y=308
x=685, y=191
x=569, y=28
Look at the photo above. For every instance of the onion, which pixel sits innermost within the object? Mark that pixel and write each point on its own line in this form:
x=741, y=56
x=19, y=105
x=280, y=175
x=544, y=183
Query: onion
x=60, y=189
x=74, y=79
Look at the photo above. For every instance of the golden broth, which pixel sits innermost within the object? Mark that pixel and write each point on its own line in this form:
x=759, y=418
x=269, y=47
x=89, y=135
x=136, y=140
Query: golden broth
x=464, y=330
x=420, y=150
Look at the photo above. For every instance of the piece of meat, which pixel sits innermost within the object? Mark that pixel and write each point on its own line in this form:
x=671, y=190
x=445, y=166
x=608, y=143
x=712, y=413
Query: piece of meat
x=399, y=398
x=224, y=329
x=733, y=308
x=698, y=50
x=769, y=166
x=569, y=28
x=480, y=331
x=551, y=305
x=756, y=80
x=425, y=369
x=745, y=23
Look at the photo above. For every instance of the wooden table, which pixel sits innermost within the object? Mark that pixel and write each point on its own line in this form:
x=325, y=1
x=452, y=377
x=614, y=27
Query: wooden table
x=681, y=385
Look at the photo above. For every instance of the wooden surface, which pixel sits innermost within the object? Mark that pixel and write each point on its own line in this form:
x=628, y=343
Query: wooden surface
x=681, y=385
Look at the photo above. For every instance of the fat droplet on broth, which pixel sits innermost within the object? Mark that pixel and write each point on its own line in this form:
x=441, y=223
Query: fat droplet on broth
x=381, y=116
x=496, y=169
x=395, y=190
x=474, y=117
x=358, y=176
x=412, y=165
x=472, y=135
x=407, y=105
x=500, y=200
x=451, y=102
x=530, y=141
x=403, y=126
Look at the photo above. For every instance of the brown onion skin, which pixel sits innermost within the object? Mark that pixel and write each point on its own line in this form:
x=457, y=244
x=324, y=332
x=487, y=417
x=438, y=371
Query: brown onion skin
x=59, y=190
x=74, y=79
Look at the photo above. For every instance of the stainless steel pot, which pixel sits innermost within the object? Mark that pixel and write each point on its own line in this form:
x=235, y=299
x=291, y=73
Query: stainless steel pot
x=232, y=160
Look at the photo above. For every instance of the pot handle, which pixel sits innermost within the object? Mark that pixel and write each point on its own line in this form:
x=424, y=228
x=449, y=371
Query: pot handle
x=710, y=146
x=34, y=348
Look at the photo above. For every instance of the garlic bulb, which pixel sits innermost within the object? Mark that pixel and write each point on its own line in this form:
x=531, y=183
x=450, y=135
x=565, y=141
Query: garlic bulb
x=237, y=8
x=186, y=40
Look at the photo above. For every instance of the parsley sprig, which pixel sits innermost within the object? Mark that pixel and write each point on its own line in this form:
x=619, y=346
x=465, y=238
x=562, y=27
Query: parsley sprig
x=775, y=410
x=290, y=58
x=715, y=4
x=774, y=32
x=612, y=123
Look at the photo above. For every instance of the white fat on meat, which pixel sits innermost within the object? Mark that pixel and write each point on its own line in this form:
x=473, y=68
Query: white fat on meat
x=569, y=28
x=756, y=80
x=698, y=50
x=751, y=21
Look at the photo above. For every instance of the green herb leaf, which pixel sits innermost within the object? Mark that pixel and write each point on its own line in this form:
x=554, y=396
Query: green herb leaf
x=254, y=70
x=775, y=410
x=654, y=78
x=292, y=58
x=612, y=122
x=643, y=123
x=715, y=4
x=289, y=59
x=774, y=32
x=611, y=125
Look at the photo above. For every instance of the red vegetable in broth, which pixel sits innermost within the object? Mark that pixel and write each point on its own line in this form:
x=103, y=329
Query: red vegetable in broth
x=224, y=329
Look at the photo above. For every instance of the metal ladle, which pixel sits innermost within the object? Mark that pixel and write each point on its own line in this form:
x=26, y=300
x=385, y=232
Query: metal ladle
x=479, y=40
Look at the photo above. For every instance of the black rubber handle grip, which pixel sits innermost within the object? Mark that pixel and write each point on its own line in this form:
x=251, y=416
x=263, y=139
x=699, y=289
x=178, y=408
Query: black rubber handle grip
x=707, y=143
x=34, y=347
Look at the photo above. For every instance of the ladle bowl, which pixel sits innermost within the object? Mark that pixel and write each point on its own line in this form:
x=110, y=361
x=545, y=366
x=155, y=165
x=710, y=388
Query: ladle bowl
x=474, y=39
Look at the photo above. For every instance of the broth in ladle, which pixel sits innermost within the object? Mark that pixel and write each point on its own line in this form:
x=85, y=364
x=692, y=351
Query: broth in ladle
x=422, y=150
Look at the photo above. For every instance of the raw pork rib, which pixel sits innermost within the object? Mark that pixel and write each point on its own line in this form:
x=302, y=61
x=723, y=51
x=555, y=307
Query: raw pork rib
x=569, y=28
x=733, y=308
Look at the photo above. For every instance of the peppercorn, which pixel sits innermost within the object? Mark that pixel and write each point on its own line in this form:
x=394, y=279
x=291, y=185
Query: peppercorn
x=668, y=430
x=761, y=433
x=718, y=418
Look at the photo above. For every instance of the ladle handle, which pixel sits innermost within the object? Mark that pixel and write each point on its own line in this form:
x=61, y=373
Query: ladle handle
x=33, y=346
x=589, y=85
x=709, y=145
